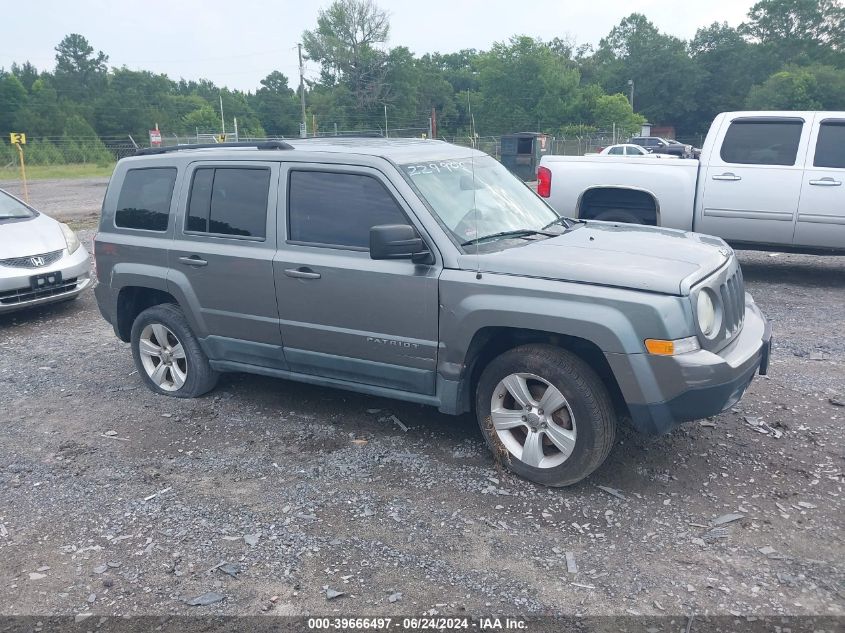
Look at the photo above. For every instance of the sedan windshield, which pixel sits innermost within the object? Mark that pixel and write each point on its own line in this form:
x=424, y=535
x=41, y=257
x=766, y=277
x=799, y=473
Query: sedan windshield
x=477, y=198
x=11, y=209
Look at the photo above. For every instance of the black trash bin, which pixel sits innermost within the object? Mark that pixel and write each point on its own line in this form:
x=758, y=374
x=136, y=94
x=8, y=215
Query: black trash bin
x=521, y=152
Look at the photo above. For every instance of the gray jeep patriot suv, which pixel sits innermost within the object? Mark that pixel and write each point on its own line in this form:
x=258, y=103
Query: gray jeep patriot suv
x=426, y=272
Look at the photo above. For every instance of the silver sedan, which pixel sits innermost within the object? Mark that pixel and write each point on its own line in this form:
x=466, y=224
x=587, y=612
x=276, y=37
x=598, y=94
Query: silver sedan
x=41, y=260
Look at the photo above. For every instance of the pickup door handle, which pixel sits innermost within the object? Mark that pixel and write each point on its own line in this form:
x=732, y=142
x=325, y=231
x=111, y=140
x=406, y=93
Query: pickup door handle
x=303, y=272
x=826, y=182
x=727, y=176
x=193, y=260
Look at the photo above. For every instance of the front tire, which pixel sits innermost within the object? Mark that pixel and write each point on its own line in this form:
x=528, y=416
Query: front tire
x=168, y=356
x=545, y=414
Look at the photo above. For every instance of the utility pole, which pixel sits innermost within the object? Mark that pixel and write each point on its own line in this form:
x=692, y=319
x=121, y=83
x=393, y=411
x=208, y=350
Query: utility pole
x=222, y=120
x=386, y=134
x=303, y=127
x=631, y=83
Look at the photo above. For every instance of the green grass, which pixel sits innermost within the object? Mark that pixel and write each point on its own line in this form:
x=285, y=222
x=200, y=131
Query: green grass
x=45, y=172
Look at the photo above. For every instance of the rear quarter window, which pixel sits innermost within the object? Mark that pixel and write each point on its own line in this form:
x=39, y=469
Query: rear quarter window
x=830, y=146
x=144, y=200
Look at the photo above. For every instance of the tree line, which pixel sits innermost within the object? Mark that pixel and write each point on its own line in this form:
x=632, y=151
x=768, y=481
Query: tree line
x=787, y=54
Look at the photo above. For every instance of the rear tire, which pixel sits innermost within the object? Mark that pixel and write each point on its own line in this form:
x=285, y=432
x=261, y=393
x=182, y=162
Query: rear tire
x=558, y=445
x=619, y=215
x=168, y=356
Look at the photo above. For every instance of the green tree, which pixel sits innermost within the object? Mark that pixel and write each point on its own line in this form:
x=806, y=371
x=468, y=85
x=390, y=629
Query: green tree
x=346, y=42
x=42, y=115
x=814, y=87
x=13, y=99
x=79, y=71
x=26, y=73
x=665, y=77
x=726, y=64
x=524, y=85
x=611, y=111
x=204, y=120
x=798, y=31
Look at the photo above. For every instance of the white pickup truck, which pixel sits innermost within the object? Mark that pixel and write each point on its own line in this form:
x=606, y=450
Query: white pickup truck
x=766, y=180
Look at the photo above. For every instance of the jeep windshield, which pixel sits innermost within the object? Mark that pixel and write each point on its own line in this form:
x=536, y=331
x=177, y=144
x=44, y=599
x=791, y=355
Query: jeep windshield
x=11, y=209
x=477, y=199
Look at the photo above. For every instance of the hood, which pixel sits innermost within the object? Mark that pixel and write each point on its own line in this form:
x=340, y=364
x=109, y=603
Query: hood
x=35, y=236
x=622, y=255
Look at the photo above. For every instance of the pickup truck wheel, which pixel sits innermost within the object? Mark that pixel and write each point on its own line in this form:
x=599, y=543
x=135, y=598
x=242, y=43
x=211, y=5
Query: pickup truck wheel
x=618, y=215
x=545, y=414
x=167, y=354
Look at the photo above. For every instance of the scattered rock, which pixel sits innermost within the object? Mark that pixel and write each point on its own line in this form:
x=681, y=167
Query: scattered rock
x=251, y=539
x=728, y=518
x=613, y=492
x=395, y=597
x=331, y=594
x=571, y=566
x=205, y=599
x=34, y=575
x=398, y=423
x=230, y=569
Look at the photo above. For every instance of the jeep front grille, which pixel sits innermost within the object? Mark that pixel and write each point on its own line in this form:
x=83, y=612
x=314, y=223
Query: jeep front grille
x=732, y=291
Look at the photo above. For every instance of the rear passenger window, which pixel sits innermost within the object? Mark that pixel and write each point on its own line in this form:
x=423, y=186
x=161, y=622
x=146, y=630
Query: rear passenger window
x=830, y=146
x=338, y=209
x=144, y=200
x=229, y=201
x=756, y=142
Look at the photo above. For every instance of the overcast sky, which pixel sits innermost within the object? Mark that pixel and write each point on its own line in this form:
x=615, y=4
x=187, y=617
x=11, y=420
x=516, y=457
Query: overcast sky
x=238, y=43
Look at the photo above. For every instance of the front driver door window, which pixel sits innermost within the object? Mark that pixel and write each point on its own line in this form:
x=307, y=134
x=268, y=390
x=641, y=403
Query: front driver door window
x=344, y=315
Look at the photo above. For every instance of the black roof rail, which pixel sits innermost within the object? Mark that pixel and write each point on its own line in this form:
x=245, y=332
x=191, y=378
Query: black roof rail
x=146, y=151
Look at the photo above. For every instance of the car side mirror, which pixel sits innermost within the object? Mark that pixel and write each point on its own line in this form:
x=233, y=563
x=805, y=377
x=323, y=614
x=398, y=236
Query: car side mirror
x=398, y=241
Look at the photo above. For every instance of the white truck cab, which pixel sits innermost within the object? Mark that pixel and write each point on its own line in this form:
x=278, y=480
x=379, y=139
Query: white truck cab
x=764, y=180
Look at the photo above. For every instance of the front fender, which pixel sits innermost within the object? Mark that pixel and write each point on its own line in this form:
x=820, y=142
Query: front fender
x=615, y=320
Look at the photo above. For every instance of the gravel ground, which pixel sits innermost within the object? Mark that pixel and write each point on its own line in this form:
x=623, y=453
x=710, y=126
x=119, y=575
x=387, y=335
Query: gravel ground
x=65, y=199
x=271, y=497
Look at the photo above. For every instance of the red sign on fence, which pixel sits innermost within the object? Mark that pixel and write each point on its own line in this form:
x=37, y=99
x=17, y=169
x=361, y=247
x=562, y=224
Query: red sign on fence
x=155, y=138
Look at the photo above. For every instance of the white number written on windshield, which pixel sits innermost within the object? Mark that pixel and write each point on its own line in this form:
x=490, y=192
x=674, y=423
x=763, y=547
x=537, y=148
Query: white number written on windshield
x=446, y=166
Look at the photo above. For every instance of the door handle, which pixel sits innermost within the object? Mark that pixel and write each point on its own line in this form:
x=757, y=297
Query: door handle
x=303, y=272
x=826, y=182
x=193, y=260
x=727, y=176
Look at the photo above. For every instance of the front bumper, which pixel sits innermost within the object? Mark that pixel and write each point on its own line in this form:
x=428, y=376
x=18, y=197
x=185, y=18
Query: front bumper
x=17, y=294
x=676, y=389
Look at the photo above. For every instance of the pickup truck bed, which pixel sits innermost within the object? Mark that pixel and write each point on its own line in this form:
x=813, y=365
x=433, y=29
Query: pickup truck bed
x=766, y=180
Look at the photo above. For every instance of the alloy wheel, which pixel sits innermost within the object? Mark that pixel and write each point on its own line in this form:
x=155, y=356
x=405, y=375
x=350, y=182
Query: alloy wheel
x=533, y=420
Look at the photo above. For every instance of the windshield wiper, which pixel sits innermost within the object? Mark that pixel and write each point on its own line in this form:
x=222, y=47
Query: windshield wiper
x=567, y=222
x=512, y=233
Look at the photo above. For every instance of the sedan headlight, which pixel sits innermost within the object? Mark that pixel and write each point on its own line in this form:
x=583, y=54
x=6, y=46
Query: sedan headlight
x=70, y=238
x=705, y=312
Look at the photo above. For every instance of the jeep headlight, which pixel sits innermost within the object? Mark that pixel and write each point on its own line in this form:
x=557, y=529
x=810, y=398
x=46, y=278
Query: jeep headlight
x=70, y=238
x=705, y=312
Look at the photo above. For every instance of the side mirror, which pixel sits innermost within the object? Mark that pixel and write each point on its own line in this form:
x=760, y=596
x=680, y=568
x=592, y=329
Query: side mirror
x=398, y=241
